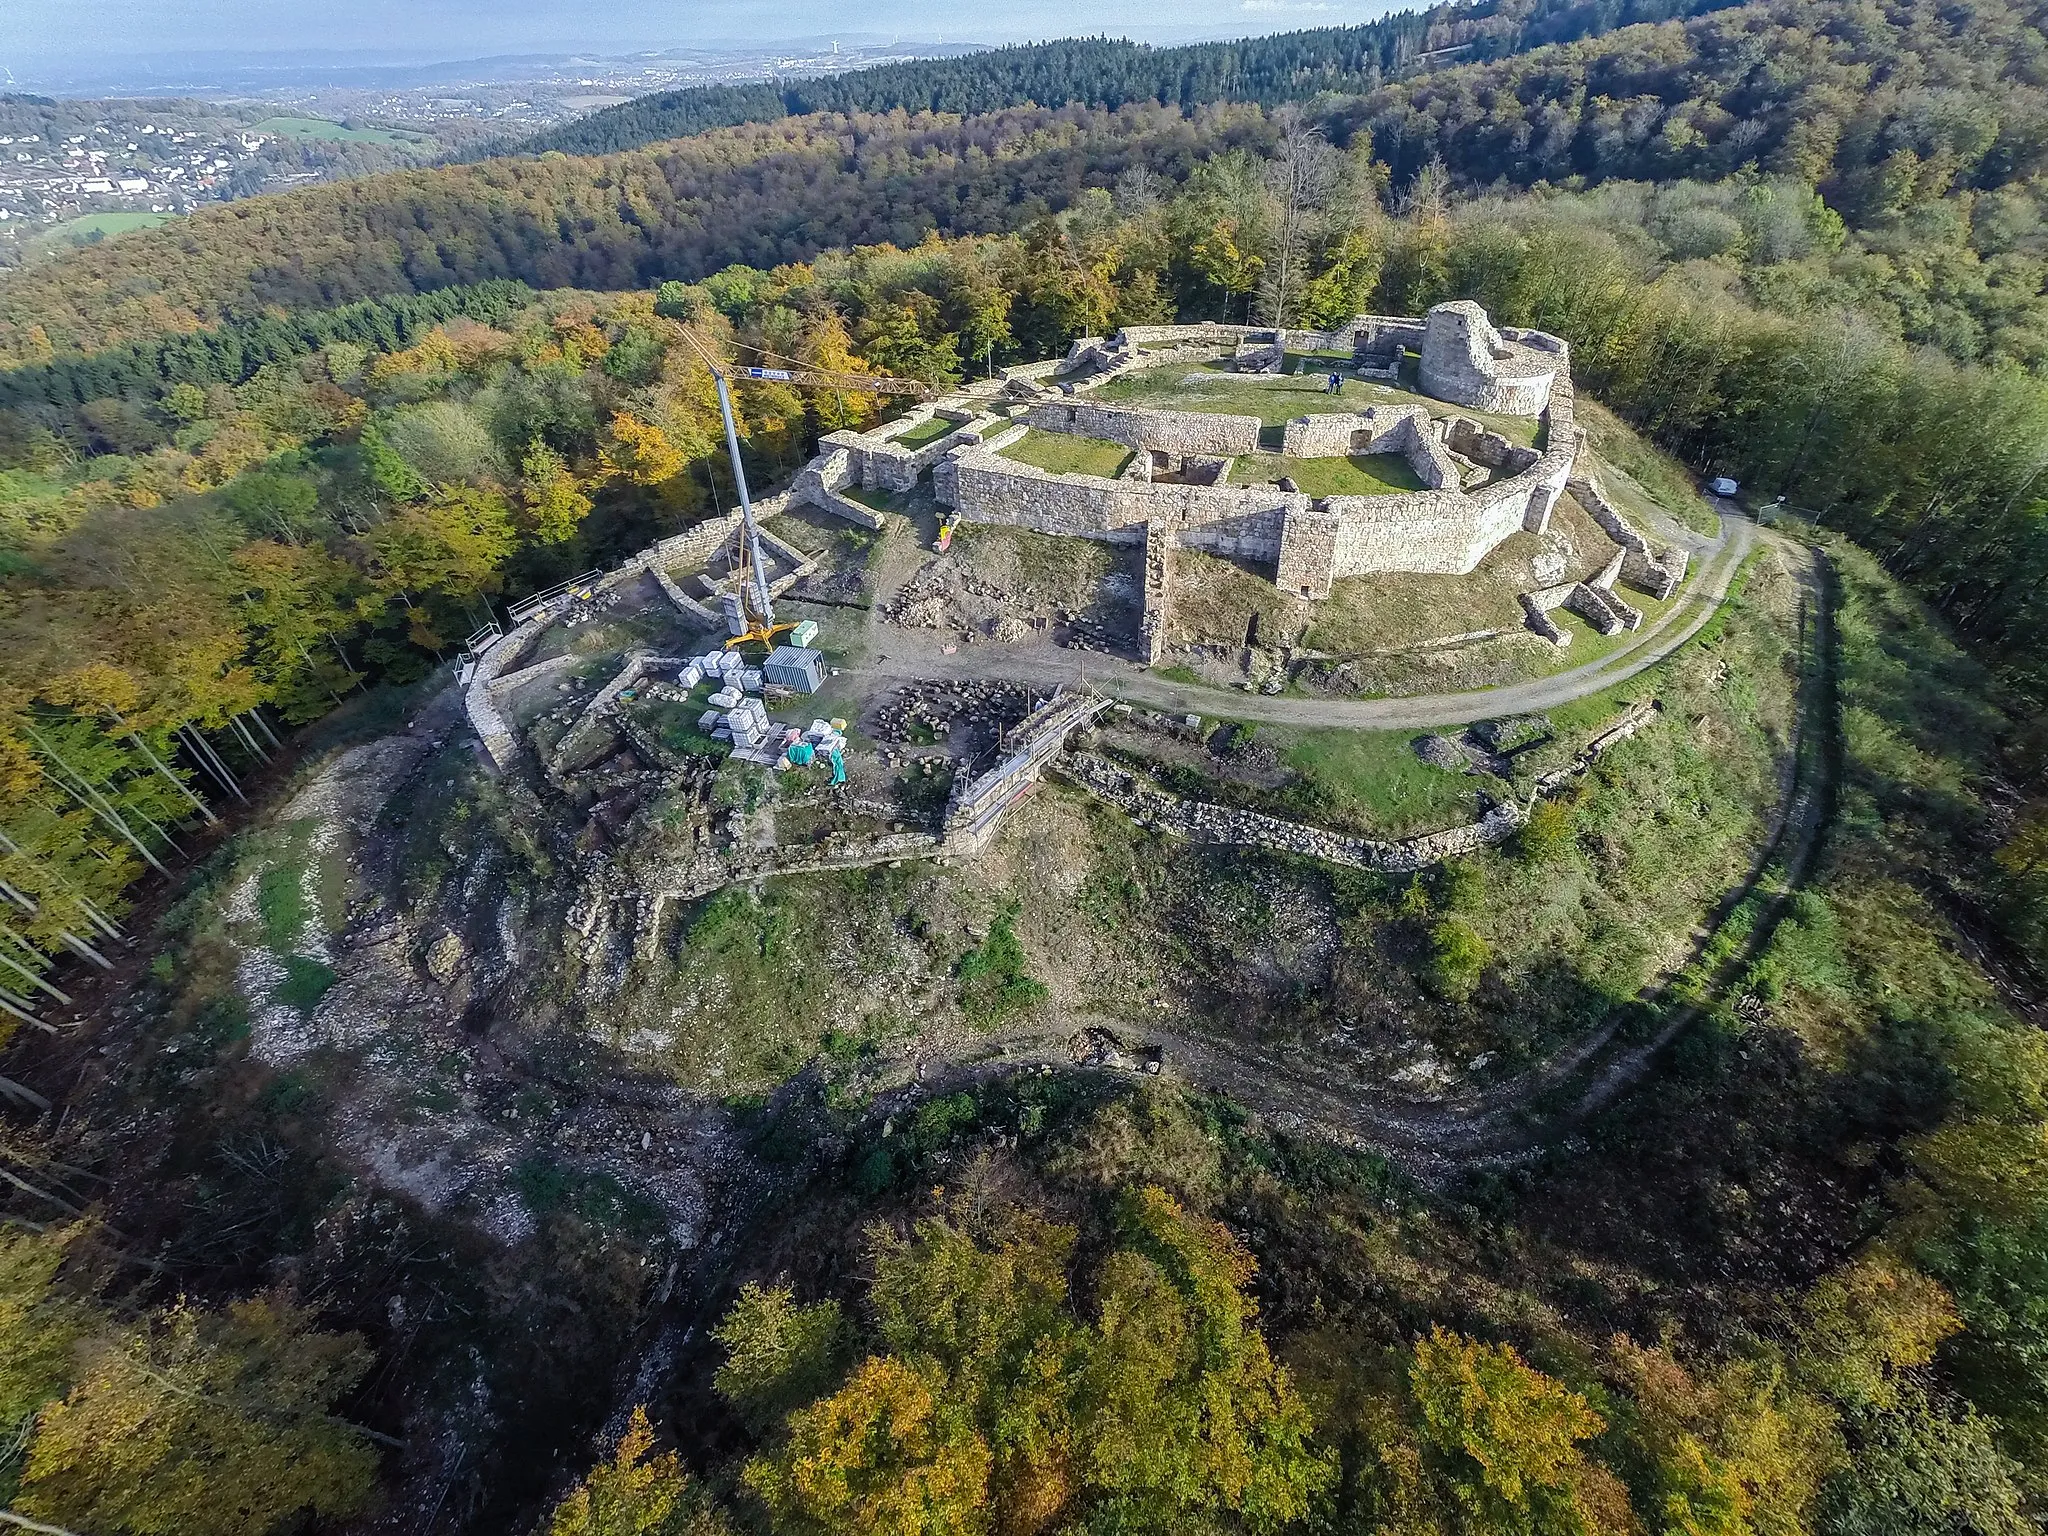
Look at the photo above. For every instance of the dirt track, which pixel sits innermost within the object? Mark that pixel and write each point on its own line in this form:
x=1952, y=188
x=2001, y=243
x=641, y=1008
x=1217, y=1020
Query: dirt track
x=897, y=655
x=1508, y=1121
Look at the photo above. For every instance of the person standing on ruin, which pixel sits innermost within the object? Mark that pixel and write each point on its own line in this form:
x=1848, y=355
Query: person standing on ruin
x=1336, y=384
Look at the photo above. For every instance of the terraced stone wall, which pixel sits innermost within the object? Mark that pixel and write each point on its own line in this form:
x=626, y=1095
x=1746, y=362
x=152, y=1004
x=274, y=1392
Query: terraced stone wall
x=1407, y=430
x=1238, y=521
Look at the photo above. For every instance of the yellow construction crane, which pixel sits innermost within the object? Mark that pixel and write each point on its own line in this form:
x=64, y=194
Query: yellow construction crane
x=757, y=610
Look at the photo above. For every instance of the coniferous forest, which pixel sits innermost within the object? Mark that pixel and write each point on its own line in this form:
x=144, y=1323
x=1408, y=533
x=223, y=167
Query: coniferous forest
x=264, y=470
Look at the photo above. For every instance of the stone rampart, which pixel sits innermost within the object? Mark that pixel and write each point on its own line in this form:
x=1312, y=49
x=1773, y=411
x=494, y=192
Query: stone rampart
x=1435, y=532
x=1152, y=622
x=1206, y=333
x=1658, y=573
x=1484, y=446
x=1202, y=821
x=1307, y=561
x=1377, y=341
x=1467, y=362
x=875, y=459
x=1170, y=432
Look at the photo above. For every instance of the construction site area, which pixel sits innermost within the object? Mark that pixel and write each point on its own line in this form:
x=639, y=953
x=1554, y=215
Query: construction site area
x=877, y=661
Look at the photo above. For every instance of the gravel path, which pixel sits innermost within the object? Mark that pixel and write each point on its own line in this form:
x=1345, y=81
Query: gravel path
x=898, y=655
x=1503, y=1122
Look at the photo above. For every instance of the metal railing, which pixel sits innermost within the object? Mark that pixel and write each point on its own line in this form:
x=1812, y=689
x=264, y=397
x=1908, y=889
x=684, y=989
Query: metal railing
x=579, y=586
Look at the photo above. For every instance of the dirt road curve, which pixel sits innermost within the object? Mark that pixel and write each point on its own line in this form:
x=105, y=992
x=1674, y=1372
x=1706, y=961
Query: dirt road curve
x=1434, y=1137
x=895, y=656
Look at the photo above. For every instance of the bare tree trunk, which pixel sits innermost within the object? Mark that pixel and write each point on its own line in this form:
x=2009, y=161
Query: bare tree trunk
x=9, y=1005
x=9, y=1517
x=170, y=777
x=94, y=801
x=79, y=947
x=257, y=712
x=211, y=762
x=248, y=738
x=33, y=979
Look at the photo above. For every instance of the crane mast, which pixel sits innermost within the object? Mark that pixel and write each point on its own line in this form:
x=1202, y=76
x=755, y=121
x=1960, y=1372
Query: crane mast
x=757, y=609
x=764, y=616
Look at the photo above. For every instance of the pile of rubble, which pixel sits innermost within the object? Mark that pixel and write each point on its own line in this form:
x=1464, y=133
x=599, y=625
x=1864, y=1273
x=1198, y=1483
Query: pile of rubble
x=935, y=711
x=944, y=596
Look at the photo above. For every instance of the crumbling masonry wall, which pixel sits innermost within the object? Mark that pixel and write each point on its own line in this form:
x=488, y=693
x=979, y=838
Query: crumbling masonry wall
x=1241, y=522
x=1651, y=571
x=1170, y=432
x=1407, y=430
x=1467, y=362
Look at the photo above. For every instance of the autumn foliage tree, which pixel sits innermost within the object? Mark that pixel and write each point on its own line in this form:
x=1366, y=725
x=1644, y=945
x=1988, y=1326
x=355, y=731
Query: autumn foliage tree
x=187, y=1420
x=992, y=1404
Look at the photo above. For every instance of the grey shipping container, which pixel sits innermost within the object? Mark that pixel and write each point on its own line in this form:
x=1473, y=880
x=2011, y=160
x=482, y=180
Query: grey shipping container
x=790, y=666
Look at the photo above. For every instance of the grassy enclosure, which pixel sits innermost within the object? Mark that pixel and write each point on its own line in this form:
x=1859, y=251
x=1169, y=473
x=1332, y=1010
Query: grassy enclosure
x=1278, y=398
x=929, y=430
x=1067, y=453
x=1361, y=474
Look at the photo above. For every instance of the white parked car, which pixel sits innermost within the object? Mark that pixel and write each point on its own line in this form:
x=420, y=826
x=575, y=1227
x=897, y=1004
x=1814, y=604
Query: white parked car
x=1723, y=486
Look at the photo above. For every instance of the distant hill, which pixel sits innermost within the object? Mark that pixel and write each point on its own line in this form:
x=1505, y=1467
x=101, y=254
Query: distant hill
x=1106, y=72
x=1827, y=92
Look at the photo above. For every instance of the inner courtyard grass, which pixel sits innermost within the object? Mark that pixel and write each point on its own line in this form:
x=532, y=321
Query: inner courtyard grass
x=1279, y=398
x=1067, y=453
x=1362, y=474
x=929, y=431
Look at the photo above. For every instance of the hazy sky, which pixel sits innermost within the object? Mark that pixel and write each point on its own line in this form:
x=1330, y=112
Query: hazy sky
x=39, y=32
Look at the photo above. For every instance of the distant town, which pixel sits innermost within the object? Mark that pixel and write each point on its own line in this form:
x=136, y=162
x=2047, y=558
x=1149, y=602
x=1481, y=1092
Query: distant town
x=77, y=168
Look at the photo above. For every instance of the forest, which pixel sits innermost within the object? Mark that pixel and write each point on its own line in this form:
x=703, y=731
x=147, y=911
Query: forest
x=1919, y=127
x=1103, y=72
x=262, y=472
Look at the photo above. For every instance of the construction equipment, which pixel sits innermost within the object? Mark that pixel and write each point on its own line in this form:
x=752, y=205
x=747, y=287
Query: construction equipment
x=855, y=383
x=756, y=616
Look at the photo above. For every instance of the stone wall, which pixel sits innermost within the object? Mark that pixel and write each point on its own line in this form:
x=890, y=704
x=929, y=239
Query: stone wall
x=1237, y=521
x=1307, y=560
x=1484, y=446
x=1443, y=533
x=1377, y=341
x=1467, y=362
x=1201, y=821
x=1206, y=333
x=1171, y=432
x=1152, y=624
x=875, y=460
x=1658, y=573
x=1407, y=430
